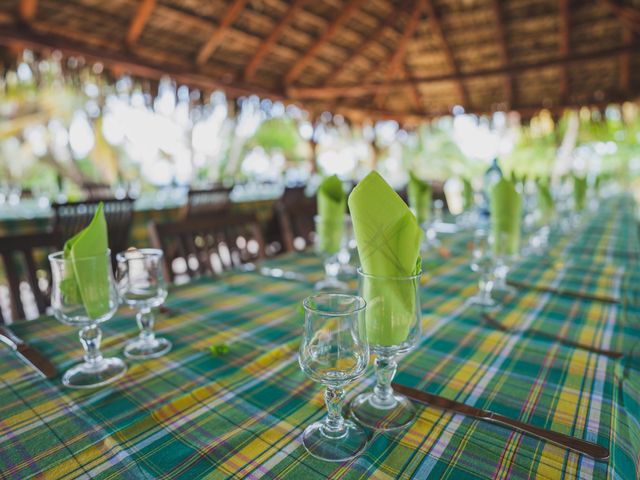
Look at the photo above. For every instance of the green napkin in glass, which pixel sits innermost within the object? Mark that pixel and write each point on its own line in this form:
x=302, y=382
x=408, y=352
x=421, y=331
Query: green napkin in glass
x=506, y=211
x=419, y=193
x=332, y=206
x=468, y=194
x=87, y=281
x=388, y=238
x=545, y=200
x=579, y=192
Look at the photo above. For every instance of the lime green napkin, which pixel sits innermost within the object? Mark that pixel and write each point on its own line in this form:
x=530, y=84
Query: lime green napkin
x=579, y=192
x=86, y=275
x=388, y=238
x=468, y=194
x=332, y=206
x=506, y=210
x=545, y=200
x=419, y=193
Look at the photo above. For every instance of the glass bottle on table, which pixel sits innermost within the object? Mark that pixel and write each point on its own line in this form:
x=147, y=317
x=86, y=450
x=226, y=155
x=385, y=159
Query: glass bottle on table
x=392, y=316
x=334, y=353
x=86, y=307
x=141, y=285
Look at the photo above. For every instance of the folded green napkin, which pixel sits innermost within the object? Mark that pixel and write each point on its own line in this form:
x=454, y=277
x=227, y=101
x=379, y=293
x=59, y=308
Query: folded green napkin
x=419, y=193
x=388, y=238
x=506, y=210
x=545, y=200
x=86, y=275
x=468, y=194
x=579, y=192
x=332, y=206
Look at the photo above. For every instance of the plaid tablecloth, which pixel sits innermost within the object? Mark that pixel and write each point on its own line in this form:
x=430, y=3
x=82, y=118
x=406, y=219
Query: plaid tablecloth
x=193, y=414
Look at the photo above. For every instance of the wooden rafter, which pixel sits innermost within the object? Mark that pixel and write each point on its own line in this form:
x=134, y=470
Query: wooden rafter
x=372, y=88
x=27, y=10
x=625, y=61
x=504, y=51
x=216, y=37
x=628, y=15
x=414, y=90
x=329, y=32
x=397, y=58
x=436, y=27
x=564, y=46
x=145, y=7
x=273, y=37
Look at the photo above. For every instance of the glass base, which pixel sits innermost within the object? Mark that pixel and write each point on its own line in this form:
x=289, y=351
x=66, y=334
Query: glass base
x=325, y=445
x=482, y=301
x=395, y=414
x=504, y=290
x=330, y=285
x=88, y=375
x=138, y=349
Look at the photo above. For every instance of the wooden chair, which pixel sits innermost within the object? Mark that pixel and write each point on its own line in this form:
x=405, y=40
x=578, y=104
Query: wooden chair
x=71, y=217
x=208, y=201
x=207, y=245
x=295, y=213
x=26, y=267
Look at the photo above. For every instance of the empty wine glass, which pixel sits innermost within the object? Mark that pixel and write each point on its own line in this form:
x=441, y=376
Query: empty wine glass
x=141, y=285
x=393, y=328
x=334, y=353
x=505, y=248
x=482, y=263
x=86, y=306
x=329, y=238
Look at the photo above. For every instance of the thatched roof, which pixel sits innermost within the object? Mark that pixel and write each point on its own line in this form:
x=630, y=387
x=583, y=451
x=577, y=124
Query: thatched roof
x=402, y=59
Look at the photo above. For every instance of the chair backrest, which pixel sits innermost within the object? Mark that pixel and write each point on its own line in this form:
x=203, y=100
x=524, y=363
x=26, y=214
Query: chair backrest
x=71, y=217
x=296, y=221
x=96, y=191
x=207, y=201
x=207, y=245
x=26, y=269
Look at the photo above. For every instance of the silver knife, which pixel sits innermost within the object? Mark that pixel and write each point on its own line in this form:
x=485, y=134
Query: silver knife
x=28, y=354
x=591, y=449
x=273, y=272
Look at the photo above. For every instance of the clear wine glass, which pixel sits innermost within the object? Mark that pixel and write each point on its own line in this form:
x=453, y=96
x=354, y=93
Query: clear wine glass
x=69, y=308
x=331, y=259
x=505, y=252
x=482, y=262
x=393, y=316
x=141, y=285
x=334, y=352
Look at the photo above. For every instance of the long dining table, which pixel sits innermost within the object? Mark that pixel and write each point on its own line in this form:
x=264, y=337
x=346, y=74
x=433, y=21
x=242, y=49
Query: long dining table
x=230, y=400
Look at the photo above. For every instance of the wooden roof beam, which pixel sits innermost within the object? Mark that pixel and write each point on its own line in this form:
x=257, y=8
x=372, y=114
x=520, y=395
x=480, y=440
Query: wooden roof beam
x=329, y=32
x=216, y=37
x=436, y=26
x=394, y=66
x=509, y=86
x=564, y=47
x=145, y=7
x=625, y=13
x=27, y=11
x=625, y=61
x=271, y=40
x=362, y=89
x=415, y=91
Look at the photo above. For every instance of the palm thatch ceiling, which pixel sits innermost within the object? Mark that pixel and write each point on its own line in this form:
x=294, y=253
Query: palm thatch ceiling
x=402, y=59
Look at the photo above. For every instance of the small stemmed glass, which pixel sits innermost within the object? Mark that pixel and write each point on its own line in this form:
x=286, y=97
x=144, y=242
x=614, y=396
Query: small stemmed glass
x=326, y=237
x=86, y=308
x=482, y=263
x=393, y=329
x=141, y=285
x=334, y=352
x=505, y=250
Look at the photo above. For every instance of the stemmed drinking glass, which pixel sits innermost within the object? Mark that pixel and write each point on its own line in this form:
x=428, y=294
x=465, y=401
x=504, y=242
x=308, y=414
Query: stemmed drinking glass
x=482, y=262
x=393, y=329
x=141, y=285
x=334, y=352
x=505, y=252
x=330, y=260
x=86, y=308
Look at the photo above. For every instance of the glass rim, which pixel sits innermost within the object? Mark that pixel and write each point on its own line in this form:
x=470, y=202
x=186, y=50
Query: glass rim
x=362, y=304
x=150, y=252
x=389, y=277
x=59, y=256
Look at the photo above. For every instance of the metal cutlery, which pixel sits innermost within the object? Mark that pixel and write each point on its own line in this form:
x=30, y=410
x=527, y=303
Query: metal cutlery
x=28, y=354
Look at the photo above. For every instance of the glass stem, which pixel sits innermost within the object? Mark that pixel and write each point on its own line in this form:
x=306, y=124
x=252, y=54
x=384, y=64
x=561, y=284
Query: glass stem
x=146, y=319
x=385, y=371
x=331, y=267
x=334, y=423
x=90, y=337
x=485, y=284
